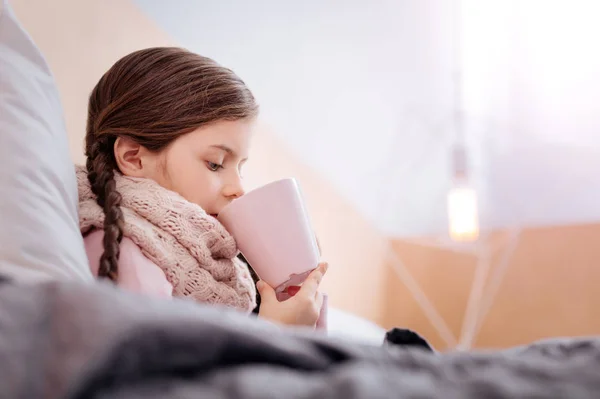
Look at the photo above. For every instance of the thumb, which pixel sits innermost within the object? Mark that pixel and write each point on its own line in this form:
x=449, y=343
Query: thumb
x=266, y=292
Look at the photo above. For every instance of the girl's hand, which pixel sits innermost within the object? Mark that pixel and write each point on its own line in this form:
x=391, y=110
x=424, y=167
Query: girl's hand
x=302, y=309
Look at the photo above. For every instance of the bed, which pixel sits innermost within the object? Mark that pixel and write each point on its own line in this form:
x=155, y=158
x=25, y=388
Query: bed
x=77, y=340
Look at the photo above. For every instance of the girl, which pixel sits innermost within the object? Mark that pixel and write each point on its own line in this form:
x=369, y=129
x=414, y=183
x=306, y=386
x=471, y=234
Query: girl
x=168, y=133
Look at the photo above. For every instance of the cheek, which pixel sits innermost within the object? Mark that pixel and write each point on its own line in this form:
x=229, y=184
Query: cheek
x=191, y=179
x=154, y=168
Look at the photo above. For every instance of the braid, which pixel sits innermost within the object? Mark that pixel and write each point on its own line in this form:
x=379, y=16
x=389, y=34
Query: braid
x=101, y=175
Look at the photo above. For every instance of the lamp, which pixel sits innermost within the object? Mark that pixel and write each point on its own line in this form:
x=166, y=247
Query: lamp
x=463, y=214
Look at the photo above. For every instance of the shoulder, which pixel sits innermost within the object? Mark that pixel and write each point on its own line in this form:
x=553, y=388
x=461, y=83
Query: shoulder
x=137, y=273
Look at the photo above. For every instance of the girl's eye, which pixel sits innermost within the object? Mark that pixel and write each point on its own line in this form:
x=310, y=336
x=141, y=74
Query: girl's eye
x=213, y=166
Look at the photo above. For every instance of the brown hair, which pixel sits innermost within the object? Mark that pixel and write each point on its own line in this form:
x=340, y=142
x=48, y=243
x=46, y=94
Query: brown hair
x=152, y=96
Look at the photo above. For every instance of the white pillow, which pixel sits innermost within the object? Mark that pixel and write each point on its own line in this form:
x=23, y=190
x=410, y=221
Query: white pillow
x=39, y=228
x=348, y=326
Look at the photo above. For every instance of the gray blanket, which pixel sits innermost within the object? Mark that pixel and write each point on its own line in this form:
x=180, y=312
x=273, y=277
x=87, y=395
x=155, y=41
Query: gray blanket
x=62, y=340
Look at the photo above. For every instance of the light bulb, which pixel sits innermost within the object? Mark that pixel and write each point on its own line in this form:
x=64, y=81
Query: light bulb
x=463, y=217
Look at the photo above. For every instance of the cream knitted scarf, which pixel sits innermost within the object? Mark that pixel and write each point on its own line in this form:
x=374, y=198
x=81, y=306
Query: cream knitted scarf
x=194, y=250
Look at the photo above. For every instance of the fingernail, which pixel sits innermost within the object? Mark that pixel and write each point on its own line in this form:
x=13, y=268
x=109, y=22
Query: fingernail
x=324, y=267
x=259, y=285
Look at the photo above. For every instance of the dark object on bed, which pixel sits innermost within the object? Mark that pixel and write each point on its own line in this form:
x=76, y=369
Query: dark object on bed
x=406, y=338
x=66, y=340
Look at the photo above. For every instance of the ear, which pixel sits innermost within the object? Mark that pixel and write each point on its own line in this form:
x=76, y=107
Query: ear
x=131, y=157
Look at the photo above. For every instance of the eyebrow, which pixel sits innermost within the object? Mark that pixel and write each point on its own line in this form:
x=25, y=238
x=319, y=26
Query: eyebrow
x=226, y=149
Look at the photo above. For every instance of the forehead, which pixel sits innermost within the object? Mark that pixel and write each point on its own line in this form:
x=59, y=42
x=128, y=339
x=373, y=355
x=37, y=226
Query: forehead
x=235, y=135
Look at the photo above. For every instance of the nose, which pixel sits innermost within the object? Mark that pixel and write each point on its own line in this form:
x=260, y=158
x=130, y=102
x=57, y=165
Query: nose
x=234, y=189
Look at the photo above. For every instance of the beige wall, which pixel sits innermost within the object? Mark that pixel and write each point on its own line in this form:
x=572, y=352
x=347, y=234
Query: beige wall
x=550, y=287
x=82, y=38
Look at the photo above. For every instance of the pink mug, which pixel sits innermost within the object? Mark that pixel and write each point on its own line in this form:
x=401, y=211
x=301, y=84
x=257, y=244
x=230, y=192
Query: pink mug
x=273, y=231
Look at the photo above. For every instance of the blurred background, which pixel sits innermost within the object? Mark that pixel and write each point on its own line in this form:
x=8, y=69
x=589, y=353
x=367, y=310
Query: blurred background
x=448, y=149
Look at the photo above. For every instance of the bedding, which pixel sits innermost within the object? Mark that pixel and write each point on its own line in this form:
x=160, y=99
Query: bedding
x=72, y=340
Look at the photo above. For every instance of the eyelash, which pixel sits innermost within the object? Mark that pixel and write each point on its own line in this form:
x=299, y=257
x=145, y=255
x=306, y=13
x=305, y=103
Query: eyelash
x=214, y=166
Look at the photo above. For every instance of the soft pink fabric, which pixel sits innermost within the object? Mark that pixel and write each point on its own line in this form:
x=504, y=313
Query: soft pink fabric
x=194, y=251
x=136, y=272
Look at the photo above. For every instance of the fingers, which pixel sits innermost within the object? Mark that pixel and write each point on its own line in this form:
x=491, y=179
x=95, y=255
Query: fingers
x=319, y=301
x=315, y=307
x=267, y=293
x=311, y=285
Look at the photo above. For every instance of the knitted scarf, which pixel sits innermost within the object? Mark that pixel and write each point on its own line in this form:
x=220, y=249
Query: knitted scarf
x=196, y=253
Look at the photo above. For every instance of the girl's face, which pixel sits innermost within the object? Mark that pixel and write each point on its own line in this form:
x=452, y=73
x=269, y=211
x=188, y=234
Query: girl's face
x=204, y=166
